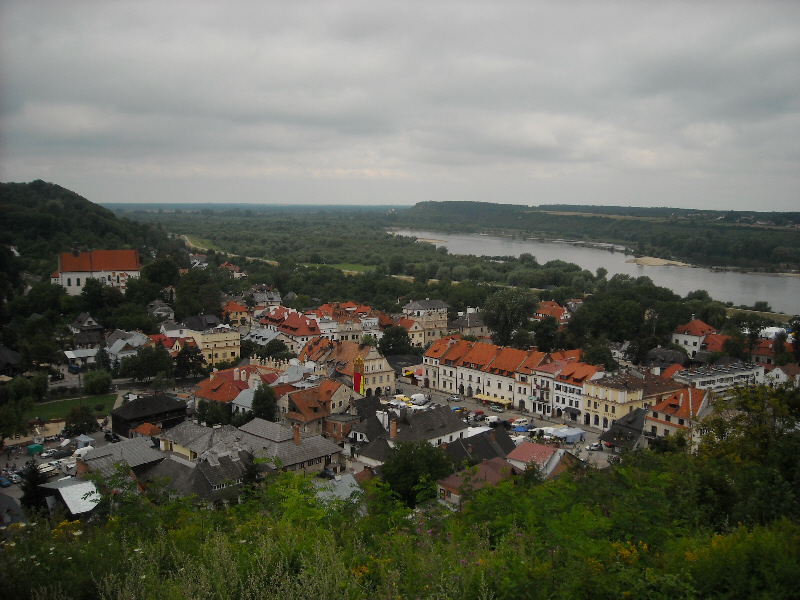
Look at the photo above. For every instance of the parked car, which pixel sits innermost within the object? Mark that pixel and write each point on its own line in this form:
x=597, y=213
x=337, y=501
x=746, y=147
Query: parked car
x=48, y=453
x=111, y=436
x=326, y=474
x=4, y=482
x=521, y=422
x=594, y=446
x=478, y=416
x=454, y=398
x=14, y=478
x=495, y=408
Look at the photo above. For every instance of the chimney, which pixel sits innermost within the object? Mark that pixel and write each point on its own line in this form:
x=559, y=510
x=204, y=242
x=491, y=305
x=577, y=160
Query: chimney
x=469, y=449
x=236, y=374
x=297, y=434
x=492, y=435
x=393, y=429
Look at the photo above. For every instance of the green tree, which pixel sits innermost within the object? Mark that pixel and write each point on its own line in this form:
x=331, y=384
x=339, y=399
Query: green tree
x=80, y=420
x=395, y=340
x=411, y=470
x=507, y=311
x=264, y=403
x=369, y=340
x=544, y=334
x=32, y=495
x=189, y=362
x=97, y=382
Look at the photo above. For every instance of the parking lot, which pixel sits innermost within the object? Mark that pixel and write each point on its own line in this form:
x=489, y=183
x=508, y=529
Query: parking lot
x=597, y=458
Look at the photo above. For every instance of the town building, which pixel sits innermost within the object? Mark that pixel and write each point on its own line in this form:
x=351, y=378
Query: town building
x=110, y=267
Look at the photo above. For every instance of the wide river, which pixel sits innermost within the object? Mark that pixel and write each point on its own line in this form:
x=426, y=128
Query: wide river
x=781, y=292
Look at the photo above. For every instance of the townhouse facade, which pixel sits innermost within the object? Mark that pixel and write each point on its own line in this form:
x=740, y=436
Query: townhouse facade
x=609, y=398
x=432, y=317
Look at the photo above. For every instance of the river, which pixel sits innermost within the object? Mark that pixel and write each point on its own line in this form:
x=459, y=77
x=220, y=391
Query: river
x=781, y=292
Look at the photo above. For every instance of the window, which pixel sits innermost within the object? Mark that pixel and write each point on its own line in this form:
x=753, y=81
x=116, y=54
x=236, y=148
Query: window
x=69, y=281
x=78, y=281
x=613, y=409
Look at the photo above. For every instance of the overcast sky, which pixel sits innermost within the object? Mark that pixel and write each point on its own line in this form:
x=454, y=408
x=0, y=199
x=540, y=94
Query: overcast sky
x=683, y=104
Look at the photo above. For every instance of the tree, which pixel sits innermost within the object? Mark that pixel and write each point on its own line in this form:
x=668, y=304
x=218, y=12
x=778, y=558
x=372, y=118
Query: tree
x=32, y=495
x=80, y=420
x=369, y=340
x=102, y=360
x=189, y=362
x=544, y=334
x=148, y=362
x=264, y=403
x=97, y=382
x=395, y=340
x=412, y=469
x=507, y=311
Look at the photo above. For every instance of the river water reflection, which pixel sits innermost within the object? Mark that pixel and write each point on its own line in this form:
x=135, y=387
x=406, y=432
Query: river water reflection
x=782, y=293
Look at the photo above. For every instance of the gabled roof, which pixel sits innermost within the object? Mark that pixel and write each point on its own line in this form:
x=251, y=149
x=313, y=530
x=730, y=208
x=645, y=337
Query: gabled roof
x=488, y=472
x=576, y=373
x=478, y=356
x=428, y=424
x=567, y=354
x=529, y=453
x=407, y=324
x=312, y=404
x=135, y=452
x=371, y=428
x=425, y=305
x=670, y=371
x=713, y=342
x=507, y=361
x=147, y=429
x=99, y=260
x=79, y=495
x=146, y=406
x=695, y=327
x=683, y=404
x=219, y=389
x=481, y=446
x=533, y=360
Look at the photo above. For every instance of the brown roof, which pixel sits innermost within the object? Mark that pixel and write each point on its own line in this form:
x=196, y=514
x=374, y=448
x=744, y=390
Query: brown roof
x=99, y=260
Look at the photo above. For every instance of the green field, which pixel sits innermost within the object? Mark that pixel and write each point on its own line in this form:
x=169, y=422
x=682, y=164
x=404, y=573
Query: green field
x=58, y=409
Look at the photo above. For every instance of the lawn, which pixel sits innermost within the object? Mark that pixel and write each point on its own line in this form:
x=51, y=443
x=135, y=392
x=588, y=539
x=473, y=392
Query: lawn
x=58, y=409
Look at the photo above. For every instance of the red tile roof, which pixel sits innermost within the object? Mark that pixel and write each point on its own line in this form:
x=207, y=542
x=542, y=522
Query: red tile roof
x=528, y=452
x=678, y=404
x=147, y=429
x=576, y=373
x=670, y=371
x=695, y=327
x=478, y=356
x=507, y=361
x=567, y=355
x=714, y=341
x=99, y=260
x=160, y=338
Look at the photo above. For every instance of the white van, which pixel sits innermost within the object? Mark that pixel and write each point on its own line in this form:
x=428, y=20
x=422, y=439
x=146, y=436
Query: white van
x=492, y=419
x=81, y=452
x=419, y=399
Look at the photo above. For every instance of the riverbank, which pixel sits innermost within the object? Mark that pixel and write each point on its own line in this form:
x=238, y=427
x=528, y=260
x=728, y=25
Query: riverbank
x=652, y=261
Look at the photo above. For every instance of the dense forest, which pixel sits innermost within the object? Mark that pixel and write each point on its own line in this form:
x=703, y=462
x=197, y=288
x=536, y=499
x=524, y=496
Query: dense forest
x=718, y=523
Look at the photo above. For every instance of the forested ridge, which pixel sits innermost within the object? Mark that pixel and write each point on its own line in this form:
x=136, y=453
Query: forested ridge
x=44, y=219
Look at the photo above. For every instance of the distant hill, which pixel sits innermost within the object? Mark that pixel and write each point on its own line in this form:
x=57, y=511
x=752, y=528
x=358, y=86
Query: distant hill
x=43, y=219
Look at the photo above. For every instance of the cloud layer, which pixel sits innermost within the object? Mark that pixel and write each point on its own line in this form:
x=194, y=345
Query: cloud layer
x=632, y=103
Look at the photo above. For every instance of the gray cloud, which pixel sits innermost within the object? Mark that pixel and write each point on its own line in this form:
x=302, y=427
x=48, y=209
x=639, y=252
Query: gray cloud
x=633, y=103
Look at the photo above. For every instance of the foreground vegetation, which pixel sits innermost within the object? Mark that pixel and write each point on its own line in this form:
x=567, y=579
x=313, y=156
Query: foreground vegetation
x=722, y=523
